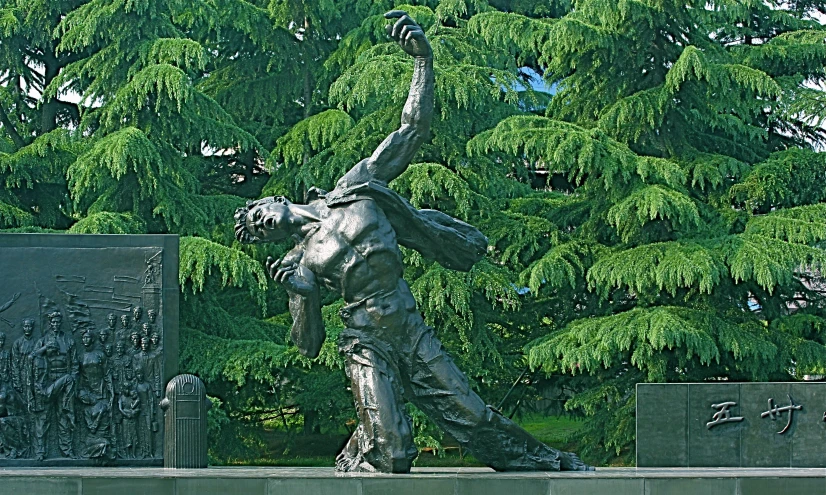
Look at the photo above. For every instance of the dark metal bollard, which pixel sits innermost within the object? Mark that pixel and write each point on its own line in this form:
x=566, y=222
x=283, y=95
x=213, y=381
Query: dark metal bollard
x=185, y=423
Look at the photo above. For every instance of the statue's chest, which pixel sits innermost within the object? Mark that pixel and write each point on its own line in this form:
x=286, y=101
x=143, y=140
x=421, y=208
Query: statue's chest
x=346, y=238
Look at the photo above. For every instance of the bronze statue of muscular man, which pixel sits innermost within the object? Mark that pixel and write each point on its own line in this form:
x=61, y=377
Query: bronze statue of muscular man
x=348, y=241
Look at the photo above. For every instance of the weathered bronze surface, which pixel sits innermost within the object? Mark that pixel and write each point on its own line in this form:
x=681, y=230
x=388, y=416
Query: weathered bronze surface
x=348, y=241
x=74, y=388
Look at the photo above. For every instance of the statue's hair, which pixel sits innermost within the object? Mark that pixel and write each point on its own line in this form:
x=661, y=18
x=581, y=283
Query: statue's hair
x=29, y=321
x=241, y=233
x=54, y=314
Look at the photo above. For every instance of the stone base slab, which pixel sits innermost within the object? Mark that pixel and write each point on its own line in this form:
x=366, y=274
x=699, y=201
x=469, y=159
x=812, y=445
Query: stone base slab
x=422, y=481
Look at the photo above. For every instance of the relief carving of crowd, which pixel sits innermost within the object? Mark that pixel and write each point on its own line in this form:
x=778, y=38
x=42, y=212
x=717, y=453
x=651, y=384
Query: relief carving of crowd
x=87, y=396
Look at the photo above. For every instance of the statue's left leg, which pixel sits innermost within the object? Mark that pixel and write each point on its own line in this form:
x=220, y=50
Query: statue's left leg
x=441, y=390
x=383, y=441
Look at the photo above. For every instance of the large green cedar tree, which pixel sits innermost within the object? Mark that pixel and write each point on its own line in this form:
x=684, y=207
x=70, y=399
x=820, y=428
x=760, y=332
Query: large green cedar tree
x=660, y=218
x=692, y=224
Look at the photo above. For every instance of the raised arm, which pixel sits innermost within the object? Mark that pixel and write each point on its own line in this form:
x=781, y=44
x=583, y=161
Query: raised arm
x=394, y=154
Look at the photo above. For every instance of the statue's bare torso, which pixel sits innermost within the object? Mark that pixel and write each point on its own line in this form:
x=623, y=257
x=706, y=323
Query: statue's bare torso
x=353, y=250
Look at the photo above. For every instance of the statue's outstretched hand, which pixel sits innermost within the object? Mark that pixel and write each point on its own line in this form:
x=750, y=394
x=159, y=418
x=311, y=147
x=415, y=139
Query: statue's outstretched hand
x=409, y=34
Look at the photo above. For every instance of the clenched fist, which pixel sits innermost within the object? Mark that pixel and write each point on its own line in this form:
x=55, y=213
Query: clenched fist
x=409, y=34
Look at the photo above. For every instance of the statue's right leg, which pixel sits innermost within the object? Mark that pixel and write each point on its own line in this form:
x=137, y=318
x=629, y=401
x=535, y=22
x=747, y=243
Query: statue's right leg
x=383, y=441
x=41, y=429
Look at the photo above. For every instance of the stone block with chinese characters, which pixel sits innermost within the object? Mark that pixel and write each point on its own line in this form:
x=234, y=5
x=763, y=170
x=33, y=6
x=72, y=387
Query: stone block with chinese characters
x=88, y=337
x=721, y=424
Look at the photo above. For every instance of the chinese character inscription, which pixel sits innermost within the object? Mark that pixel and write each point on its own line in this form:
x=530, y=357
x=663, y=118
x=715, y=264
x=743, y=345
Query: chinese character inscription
x=774, y=412
x=731, y=424
x=723, y=414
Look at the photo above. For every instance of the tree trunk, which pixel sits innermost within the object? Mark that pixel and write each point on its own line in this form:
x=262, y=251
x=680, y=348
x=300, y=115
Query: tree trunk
x=308, y=87
x=48, y=116
x=310, y=420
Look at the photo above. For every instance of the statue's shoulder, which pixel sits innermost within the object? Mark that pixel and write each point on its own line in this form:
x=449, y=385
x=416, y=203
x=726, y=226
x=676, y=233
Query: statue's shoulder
x=349, y=193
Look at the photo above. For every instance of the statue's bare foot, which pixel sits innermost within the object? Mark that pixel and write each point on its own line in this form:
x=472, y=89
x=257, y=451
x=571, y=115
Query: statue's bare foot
x=346, y=462
x=349, y=464
x=568, y=461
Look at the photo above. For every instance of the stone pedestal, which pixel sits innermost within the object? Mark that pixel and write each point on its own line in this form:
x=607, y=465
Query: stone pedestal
x=428, y=481
x=724, y=424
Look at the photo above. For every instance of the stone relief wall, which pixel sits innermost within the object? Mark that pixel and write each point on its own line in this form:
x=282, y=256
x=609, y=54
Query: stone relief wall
x=82, y=362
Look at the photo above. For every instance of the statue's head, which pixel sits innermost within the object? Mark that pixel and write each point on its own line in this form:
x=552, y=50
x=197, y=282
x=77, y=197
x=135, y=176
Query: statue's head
x=112, y=320
x=103, y=336
x=151, y=314
x=124, y=321
x=146, y=329
x=155, y=339
x=145, y=343
x=135, y=338
x=28, y=327
x=107, y=349
x=137, y=312
x=55, y=319
x=87, y=338
x=120, y=349
x=263, y=220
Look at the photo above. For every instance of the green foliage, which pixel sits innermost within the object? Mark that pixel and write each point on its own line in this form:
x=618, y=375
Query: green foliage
x=695, y=217
x=105, y=222
x=200, y=256
x=786, y=179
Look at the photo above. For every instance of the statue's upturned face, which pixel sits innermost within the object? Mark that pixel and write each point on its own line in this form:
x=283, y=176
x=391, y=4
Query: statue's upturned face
x=269, y=221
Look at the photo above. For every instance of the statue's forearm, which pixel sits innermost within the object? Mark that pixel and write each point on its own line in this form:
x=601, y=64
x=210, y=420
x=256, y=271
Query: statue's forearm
x=308, y=326
x=394, y=154
x=418, y=110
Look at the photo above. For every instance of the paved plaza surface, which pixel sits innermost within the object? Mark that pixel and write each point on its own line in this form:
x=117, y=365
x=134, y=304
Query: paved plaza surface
x=422, y=481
